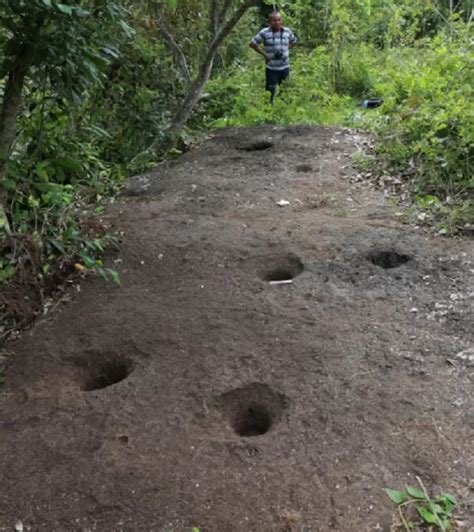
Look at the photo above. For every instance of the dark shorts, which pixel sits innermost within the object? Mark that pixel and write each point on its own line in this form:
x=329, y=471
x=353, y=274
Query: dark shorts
x=275, y=77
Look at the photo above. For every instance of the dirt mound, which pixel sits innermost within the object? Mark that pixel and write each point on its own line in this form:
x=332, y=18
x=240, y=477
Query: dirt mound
x=281, y=350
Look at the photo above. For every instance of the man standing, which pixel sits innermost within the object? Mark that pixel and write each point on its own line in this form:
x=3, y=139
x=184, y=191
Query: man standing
x=277, y=42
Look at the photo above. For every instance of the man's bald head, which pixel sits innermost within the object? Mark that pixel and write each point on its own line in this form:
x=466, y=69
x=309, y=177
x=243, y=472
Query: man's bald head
x=275, y=21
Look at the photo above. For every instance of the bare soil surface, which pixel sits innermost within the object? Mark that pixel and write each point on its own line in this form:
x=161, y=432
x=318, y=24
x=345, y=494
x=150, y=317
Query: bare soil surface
x=261, y=368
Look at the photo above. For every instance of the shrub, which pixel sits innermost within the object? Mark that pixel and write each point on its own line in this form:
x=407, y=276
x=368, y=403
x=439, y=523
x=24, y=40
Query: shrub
x=426, y=126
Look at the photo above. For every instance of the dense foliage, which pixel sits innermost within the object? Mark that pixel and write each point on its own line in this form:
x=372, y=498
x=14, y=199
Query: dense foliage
x=55, y=59
x=94, y=90
x=426, y=129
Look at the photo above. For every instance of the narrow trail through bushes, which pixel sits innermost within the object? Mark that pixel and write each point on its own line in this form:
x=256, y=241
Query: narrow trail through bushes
x=262, y=367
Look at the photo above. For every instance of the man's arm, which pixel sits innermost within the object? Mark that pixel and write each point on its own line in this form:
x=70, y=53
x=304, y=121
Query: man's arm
x=259, y=50
x=292, y=40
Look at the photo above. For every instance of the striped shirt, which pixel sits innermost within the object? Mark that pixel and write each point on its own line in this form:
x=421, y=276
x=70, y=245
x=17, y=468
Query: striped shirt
x=274, y=41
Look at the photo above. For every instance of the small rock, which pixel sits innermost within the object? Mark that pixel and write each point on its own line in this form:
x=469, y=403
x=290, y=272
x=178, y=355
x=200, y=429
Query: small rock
x=467, y=356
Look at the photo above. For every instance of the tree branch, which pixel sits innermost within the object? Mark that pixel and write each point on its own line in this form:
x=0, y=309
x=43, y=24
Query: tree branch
x=175, y=48
x=213, y=18
x=226, y=28
x=205, y=69
x=11, y=104
x=225, y=8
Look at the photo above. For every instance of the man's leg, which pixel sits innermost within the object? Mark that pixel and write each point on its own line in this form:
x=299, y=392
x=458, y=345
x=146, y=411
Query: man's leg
x=271, y=81
x=284, y=75
x=273, y=78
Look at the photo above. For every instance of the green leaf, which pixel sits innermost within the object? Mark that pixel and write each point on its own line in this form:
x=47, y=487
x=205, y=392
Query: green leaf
x=88, y=261
x=68, y=164
x=102, y=273
x=436, y=508
x=415, y=493
x=396, y=496
x=427, y=516
x=449, y=497
x=67, y=10
x=110, y=51
x=9, y=184
x=114, y=275
x=81, y=12
x=129, y=31
x=47, y=3
x=6, y=272
x=100, y=132
x=58, y=246
x=4, y=225
x=41, y=172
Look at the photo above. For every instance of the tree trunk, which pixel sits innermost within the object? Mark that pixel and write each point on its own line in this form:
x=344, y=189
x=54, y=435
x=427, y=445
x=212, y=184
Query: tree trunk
x=174, y=47
x=9, y=111
x=10, y=106
x=194, y=92
x=202, y=77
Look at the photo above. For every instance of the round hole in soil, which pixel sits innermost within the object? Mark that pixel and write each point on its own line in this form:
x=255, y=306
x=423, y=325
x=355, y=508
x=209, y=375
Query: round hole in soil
x=258, y=145
x=304, y=168
x=107, y=373
x=282, y=268
x=252, y=410
x=388, y=259
x=279, y=275
x=253, y=421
